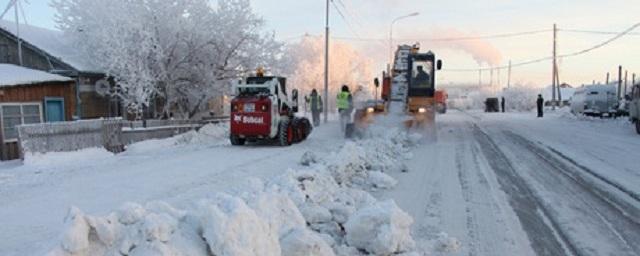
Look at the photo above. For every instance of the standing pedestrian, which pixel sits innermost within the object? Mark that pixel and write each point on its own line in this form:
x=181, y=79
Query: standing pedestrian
x=344, y=103
x=502, y=104
x=315, y=102
x=540, y=103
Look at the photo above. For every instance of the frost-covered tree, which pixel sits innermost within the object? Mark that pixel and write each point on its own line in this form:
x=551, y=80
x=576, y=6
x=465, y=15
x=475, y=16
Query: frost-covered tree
x=305, y=67
x=182, y=51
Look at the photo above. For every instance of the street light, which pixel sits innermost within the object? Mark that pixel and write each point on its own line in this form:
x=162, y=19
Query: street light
x=391, y=34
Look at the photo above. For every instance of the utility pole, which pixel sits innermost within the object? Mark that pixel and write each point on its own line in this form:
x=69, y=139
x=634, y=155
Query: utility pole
x=326, y=66
x=607, y=78
x=633, y=79
x=479, y=77
x=619, y=81
x=625, y=83
x=554, y=70
x=491, y=78
x=15, y=8
x=558, y=85
x=509, y=76
x=498, y=79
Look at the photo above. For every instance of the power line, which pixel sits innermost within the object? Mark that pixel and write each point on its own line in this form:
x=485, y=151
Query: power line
x=597, y=32
x=344, y=18
x=446, y=39
x=355, y=17
x=616, y=37
x=600, y=45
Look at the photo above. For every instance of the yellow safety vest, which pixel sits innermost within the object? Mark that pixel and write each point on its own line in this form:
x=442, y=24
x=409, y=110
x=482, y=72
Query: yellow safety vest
x=343, y=100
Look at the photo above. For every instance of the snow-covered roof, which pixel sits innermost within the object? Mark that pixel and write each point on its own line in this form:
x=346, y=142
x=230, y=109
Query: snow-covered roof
x=566, y=92
x=12, y=75
x=53, y=42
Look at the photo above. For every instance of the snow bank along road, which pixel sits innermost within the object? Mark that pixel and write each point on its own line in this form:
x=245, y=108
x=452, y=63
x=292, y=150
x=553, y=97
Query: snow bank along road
x=35, y=197
x=511, y=184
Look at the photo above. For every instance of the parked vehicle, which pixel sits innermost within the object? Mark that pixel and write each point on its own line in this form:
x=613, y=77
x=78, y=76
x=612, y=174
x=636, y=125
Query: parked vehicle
x=595, y=100
x=634, y=107
x=492, y=105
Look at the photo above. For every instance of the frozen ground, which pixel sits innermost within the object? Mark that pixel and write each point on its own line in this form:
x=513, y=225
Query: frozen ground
x=488, y=184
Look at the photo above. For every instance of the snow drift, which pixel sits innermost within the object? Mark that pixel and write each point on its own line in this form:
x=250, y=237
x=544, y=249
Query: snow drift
x=320, y=208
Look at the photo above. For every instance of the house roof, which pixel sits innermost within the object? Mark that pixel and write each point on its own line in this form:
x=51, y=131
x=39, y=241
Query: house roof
x=566, y=92
x=12, y=75
x=53, y=43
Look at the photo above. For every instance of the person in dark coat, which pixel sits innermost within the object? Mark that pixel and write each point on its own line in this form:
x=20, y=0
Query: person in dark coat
x=315, y=101
x=502, y=104
x=540, y=103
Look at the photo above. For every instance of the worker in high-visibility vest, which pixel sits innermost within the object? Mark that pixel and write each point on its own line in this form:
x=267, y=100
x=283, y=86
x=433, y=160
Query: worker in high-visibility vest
x=344, y=103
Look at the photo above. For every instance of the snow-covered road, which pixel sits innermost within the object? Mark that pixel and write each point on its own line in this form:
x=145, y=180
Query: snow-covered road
x=505, y=184
x=490, y=184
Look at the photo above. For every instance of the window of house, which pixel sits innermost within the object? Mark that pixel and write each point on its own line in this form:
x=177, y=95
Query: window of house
x=4, y=53
x=18, y=114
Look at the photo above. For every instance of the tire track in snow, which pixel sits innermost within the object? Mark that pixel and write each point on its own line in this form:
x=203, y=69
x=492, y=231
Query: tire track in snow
x=621, y=225
x=488, y=231
x=467, y=194
x=596, y=175
x=544, y=233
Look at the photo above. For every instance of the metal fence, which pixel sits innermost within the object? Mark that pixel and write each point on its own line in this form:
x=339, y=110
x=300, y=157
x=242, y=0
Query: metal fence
x=112, y=134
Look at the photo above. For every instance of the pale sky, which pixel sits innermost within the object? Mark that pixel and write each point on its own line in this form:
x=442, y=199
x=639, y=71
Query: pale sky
x=371, y=19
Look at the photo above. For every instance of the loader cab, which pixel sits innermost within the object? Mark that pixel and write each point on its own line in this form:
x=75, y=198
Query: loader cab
x=422, y=74
x=273, y=87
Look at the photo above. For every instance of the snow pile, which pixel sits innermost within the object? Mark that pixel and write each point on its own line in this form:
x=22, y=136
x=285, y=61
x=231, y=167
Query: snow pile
x=303, y=242
x=322, y=208
x=210, y=134
x=364, y=162
x=304, y=212
x=381, y=229
x=388, y=148
x=63, y=159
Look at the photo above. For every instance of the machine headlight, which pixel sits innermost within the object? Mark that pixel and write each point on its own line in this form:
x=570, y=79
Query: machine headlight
x=422, y=110
x=370, y=110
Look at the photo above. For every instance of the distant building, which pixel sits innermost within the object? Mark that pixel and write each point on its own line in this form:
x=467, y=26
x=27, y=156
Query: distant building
x=566, y=92
x=31, y=96
x=50, y=51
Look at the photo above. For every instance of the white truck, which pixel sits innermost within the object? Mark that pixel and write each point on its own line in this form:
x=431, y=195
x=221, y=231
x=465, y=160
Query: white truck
x=595, y=100
x=634, y=107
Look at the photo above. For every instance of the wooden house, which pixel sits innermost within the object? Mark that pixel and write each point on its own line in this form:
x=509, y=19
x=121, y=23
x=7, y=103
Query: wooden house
x=31, y=96
x=52, y=52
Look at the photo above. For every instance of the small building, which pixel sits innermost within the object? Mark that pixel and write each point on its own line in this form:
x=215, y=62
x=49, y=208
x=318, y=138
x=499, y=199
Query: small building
x=31, y=96
x=566, y=92
x=51, y=51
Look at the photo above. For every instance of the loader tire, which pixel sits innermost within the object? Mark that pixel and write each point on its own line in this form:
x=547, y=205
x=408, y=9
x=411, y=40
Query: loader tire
x=236, y=141
x=307, y=128
x=285, y=133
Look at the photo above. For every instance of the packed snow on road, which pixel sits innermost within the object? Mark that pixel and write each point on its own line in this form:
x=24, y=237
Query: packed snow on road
x=488, y=184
